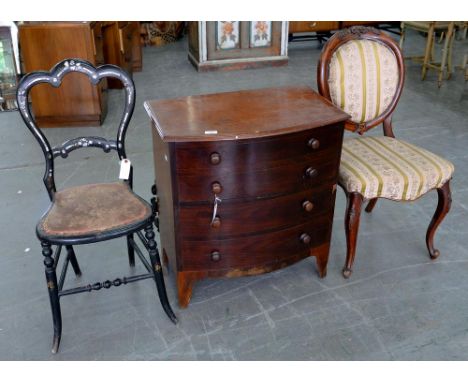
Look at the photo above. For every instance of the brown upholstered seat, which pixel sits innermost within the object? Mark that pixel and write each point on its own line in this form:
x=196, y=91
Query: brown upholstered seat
x=93, y=209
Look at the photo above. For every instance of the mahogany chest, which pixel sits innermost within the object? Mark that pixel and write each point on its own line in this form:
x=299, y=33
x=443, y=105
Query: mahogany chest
x=245, y=181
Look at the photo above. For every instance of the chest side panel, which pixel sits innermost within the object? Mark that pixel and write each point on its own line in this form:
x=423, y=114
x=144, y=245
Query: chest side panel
x=163, y=181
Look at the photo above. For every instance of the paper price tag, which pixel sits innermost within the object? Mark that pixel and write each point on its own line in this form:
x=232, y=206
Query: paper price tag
x=125, y=169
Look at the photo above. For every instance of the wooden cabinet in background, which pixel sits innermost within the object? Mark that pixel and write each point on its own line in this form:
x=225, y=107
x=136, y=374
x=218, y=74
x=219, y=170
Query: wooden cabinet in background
x=313, y=26
x=322, y=30
x=77, y=102
x=230, y=45
x=122, y=47
x=330, y=26
x=137, y=53
x=347, y=24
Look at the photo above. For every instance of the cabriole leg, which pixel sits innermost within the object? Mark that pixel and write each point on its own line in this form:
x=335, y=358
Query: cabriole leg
x=353, y=214
x=52, y=287
x=443, y=207
x=157, y=271
x=371, y=204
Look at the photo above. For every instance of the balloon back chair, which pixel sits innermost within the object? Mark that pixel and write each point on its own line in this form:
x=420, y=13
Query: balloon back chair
x=361, y=70
x=94, y=212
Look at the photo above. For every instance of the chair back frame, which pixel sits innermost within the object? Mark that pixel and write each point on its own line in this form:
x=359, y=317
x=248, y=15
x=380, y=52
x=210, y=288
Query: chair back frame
x=323, y=71
x=54, y=78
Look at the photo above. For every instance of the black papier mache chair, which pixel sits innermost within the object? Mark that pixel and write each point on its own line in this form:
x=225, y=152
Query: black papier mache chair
x=93, y=212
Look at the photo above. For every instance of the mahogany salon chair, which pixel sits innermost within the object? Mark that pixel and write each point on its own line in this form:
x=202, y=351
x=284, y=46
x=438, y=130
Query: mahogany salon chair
x=361, y=71
x=94, y=212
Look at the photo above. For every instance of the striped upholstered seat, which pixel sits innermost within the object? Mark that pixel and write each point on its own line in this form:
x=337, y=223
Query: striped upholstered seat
x=390, y=168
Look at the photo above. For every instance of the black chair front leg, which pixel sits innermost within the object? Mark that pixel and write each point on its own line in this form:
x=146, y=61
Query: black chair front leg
x=52, y=287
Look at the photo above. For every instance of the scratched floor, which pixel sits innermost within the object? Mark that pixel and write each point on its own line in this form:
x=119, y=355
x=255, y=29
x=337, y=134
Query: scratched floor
x=398, y=305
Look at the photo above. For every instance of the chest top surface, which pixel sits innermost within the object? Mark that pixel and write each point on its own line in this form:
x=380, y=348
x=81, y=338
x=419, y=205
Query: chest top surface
x=242, y=114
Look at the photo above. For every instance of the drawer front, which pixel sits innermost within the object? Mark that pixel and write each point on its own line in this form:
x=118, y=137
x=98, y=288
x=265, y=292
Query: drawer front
x=256, y=250
x=237, y=218
x=205, y=157
x=287, y=179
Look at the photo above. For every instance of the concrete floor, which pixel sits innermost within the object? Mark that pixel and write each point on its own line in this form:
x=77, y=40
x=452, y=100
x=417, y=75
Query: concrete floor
x=398, y=305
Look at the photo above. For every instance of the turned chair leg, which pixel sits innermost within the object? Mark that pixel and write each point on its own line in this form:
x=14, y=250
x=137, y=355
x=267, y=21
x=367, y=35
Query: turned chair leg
x=131, y=251
x=52, y=287
x=74, y=262
x=371, y=204
x=157, y=271
x=154, y=205
x=443, y=207
x=353, y=214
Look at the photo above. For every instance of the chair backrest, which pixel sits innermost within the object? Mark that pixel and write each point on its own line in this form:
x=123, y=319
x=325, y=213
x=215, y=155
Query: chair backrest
x=361, y=70
x=54, y=78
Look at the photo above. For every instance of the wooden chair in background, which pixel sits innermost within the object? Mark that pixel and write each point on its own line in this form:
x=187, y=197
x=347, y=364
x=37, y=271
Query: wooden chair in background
x=446, y=30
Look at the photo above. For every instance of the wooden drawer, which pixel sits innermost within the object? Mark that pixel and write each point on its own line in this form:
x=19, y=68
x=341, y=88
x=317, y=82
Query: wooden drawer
x=238, y=218
x=269, y=182
x=313, y=26
x=258, y=153
x=253, y=251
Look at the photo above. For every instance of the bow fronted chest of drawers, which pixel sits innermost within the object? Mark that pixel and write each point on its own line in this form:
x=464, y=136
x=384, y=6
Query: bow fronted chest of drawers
x=245, y=181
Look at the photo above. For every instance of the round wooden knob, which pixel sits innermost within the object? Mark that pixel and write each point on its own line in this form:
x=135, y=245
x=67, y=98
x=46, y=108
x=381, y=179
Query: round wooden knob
x=215, y=158
x=311, y=172
x=216, y=223
x=313, y=143
x=307, y=205
x=216, y=187
x=215, y=256
x=305, y=238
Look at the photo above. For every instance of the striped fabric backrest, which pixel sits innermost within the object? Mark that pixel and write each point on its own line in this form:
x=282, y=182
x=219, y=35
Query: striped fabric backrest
x=363, y=79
